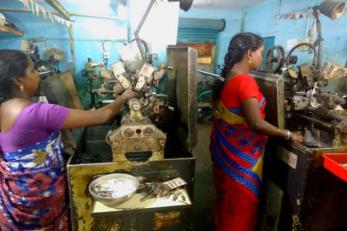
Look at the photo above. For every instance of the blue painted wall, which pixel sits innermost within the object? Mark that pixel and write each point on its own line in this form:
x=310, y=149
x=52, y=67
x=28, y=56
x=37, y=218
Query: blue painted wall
x=233, y=25
x=90, y=33
x=92, y=37
x=262, y=19
x=50, y=35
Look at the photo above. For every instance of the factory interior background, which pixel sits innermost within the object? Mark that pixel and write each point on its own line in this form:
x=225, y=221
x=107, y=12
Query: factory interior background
x=92, y=38
x=267, y=18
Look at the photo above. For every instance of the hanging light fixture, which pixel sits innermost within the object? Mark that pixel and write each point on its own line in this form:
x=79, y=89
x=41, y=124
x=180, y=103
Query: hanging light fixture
x=333, y=9
x=184, y=4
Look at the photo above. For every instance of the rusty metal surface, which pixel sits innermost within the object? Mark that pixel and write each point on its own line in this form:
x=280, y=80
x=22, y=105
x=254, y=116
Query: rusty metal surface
x=311, y=198
x=182, y=90
x=81, y=174
x=341, y=131
x=136, y=137
x=300, y=193
x=79, y=177
x=158, y=221
x=272, y=87
x=93, y=157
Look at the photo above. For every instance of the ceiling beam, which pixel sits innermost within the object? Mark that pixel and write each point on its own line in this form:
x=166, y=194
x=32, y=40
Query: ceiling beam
x=58, y=7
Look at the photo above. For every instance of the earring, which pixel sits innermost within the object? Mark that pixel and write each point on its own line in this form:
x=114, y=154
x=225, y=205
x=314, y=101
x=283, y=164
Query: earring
x=249, y=61
x=21, y=87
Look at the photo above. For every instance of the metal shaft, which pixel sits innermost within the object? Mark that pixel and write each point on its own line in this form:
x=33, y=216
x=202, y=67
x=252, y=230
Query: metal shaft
x=316, y=121
x=137, y=31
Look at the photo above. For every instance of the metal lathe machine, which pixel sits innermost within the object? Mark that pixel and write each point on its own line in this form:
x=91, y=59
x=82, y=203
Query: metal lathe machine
x=299, y=192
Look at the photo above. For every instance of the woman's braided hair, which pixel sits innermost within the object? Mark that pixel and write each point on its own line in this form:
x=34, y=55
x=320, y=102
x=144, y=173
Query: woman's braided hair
x=239, y=45
x=13, y=64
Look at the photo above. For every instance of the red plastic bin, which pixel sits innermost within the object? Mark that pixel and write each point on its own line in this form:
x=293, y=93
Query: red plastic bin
x=334, y=162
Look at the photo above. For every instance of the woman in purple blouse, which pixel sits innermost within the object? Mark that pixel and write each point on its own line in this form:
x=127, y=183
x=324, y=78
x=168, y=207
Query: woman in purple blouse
x=32, y=171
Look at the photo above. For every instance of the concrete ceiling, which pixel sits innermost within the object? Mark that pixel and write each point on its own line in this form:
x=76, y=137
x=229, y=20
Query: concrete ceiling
x=223, y=4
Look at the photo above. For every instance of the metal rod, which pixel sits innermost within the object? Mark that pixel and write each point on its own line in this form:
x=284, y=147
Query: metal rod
x=210, y=74
x=58, y=7
x=72, y=46
x=95, y=16
x=329, y=115
x=137, y=31
x=338, y=118
x=319, y=40
x=316, y=121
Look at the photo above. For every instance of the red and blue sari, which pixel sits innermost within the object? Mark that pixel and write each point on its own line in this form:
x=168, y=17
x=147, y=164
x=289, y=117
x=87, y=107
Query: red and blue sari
x=33, y=187
x=237, y=155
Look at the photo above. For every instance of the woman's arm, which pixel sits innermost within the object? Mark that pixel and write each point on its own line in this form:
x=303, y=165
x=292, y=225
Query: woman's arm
x=83, y=118
x=254, y=121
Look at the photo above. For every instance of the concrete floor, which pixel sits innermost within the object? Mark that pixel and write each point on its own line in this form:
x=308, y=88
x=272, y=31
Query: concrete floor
x=204, y=192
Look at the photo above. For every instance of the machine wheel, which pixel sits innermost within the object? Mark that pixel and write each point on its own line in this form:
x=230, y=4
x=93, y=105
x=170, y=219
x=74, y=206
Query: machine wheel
x=315, y=61
x=274, y=59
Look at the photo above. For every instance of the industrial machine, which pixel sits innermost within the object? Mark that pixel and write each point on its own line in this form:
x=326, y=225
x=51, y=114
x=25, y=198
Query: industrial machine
x=94, y=72
x=49, y=64
x=152, y=139
x=310, y=99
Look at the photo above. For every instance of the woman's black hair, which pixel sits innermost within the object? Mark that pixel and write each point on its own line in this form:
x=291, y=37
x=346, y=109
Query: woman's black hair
x=239, y=45
x=13, y=64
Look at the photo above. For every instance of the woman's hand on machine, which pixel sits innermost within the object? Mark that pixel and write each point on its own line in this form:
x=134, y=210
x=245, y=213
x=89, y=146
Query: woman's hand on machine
x=297, y=137
x=128, y=94
x=293, y=136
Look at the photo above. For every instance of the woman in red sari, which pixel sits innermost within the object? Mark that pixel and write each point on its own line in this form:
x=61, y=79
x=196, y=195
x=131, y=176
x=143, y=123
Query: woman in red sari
x=239, y=136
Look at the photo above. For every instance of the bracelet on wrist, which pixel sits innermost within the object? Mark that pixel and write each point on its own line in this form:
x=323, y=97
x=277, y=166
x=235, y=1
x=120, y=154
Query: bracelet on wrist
x=289, y=135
